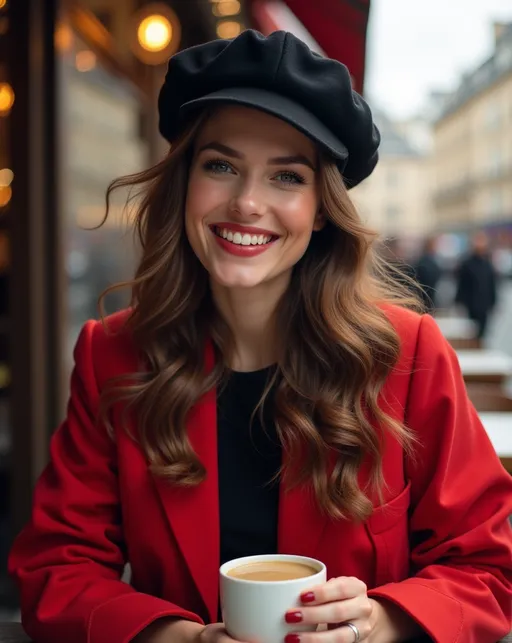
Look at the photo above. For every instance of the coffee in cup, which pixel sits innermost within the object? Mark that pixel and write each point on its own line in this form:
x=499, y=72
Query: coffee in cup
x=257, y=591
x=272, y=571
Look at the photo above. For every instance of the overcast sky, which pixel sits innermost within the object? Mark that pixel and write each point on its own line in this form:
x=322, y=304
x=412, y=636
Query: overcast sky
x=415, y=46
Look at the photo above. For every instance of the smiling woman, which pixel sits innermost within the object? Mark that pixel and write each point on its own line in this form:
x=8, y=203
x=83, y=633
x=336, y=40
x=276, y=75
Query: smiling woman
x=268, y=391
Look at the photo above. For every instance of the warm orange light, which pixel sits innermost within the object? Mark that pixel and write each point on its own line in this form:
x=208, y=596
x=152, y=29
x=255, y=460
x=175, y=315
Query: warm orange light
x=6, y=98
x=6, y=177
x=85, y=60
x=227, y=8
x=154, y=33
x=228, y=29
x=5, y=195
x=63, y=37
x=3, y=3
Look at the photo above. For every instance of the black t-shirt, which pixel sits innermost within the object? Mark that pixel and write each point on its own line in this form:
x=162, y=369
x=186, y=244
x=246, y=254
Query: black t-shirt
x=249, y=456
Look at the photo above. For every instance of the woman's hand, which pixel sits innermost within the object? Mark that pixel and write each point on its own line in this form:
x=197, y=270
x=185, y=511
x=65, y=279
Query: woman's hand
x=343, y=600
x=335, y=603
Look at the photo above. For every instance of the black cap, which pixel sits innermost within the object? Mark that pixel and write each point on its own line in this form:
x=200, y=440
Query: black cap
x=279, y=75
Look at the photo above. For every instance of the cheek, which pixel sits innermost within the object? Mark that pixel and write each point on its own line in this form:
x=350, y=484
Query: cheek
x=298, y=215
x=204, y=197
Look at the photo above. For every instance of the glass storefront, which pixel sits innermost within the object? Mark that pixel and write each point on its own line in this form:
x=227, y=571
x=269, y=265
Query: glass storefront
x=100, y=140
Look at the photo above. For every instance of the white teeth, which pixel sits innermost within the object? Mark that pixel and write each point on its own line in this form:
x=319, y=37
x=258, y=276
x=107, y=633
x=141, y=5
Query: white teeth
x=243, y=239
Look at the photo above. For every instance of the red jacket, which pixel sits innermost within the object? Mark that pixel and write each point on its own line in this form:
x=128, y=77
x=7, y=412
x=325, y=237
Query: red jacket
x=440, y=546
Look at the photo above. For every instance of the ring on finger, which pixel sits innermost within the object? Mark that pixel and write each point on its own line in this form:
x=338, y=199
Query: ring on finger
x=355, y=630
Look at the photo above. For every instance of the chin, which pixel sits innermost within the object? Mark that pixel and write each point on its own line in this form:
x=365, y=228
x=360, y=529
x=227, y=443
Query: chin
x=237, y=279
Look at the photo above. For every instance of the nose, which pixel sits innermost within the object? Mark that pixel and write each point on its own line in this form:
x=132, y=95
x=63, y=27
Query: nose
x=248, y=200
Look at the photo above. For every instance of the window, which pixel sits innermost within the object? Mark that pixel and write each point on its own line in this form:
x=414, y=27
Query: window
x=100, y=134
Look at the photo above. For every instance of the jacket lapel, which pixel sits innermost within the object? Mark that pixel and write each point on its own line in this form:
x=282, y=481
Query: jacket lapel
x=193, y=512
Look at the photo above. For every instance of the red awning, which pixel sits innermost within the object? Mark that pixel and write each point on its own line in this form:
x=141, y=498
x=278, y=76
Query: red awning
x=336, y=27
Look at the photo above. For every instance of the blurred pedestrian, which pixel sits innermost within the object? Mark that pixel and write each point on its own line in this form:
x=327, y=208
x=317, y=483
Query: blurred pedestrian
x=476, y=283
x=427, y=273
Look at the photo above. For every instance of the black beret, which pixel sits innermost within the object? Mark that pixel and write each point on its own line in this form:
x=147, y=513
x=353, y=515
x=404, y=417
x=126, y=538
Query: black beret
x=280, y=75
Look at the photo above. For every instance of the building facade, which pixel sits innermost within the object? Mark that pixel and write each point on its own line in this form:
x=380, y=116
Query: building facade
x=472, y=153
x=396, y=199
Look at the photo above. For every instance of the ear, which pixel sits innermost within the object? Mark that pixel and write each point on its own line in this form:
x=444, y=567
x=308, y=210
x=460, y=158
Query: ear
x=320, y=221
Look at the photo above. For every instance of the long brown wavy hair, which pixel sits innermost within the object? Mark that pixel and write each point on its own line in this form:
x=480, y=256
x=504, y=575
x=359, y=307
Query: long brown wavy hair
x=339, y=347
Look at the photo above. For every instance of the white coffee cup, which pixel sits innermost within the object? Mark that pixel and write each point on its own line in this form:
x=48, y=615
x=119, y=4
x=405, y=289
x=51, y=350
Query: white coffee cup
x=254, y=611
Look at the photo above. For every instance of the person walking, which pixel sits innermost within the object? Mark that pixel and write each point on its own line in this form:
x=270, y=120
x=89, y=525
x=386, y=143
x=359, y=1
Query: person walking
x=476, y=283
x=427, y=273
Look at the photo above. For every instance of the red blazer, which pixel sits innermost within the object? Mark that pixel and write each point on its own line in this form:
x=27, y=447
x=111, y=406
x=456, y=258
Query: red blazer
x=440, y=546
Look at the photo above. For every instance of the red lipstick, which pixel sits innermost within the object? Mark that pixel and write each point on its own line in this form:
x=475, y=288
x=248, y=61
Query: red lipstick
x=239, y=249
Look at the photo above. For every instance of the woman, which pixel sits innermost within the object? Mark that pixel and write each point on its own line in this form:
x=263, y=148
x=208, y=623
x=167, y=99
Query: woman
x=265, y=393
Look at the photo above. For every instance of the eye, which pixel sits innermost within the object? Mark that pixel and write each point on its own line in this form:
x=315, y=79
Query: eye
x=217, y=166
x=290, y=178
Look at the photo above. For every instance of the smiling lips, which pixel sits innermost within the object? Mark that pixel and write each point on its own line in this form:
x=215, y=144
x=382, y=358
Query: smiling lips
x=241, y=240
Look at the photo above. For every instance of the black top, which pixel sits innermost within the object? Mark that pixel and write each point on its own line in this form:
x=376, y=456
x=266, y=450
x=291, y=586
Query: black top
x=248, y=456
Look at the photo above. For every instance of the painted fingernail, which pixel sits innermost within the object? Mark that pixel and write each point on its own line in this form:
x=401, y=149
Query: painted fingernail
x=307, y=597
x=293, y=617
x=292, y=638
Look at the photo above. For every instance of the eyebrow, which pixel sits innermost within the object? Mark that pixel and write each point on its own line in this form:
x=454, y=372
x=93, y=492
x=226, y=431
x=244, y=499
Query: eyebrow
x=298, y=159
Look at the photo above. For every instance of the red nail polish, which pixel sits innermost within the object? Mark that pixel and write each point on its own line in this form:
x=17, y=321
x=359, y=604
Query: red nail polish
x=293, y=617
x=307, y=597
x=292, y=638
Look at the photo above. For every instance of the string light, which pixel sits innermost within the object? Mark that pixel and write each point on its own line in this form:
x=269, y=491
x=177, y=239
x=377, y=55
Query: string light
x=6, y=177
x=154, y=33
x=5, y=195
x=85, y=60
x=229, y=29
x=228, y=8
x=6, y=98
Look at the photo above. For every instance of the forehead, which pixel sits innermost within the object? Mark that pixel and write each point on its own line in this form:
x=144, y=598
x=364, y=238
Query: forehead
x=239, y=125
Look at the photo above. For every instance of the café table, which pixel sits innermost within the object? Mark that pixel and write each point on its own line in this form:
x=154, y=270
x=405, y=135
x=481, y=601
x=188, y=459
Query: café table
x=499, y=430
x=13, y=633
x=457, y=327
x=487, y=366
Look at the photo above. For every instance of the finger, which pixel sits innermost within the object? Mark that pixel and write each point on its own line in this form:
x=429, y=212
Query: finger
x=336, y=612
x=342, y=634
x=336, y=589
x=216, y=633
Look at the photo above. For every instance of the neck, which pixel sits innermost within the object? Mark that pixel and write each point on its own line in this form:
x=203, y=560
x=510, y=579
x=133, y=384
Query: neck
x=250, y=315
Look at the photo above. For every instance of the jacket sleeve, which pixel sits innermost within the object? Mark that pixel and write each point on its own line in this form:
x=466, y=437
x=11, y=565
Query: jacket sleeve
x=460, y=589
x=69, y=559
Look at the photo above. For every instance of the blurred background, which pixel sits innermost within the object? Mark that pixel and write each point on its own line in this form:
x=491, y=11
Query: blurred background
x=78, y=87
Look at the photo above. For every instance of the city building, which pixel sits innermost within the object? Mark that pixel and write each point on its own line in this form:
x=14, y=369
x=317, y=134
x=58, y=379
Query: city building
x=472, y=153
x=396, y=199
